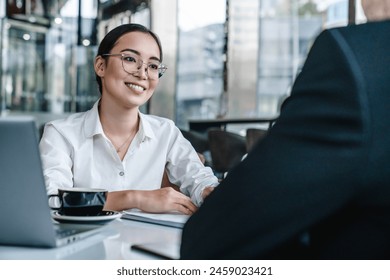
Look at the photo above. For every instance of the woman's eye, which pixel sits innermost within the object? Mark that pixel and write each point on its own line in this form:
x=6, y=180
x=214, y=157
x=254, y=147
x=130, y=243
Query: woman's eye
x=153, y=66
x=129, y=59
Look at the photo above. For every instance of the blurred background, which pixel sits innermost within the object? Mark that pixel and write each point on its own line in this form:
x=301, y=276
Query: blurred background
x=225, y=58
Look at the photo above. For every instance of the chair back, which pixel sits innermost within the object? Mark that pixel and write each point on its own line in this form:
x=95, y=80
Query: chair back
x=226, y=148
x=253, y=136
x=198, y=140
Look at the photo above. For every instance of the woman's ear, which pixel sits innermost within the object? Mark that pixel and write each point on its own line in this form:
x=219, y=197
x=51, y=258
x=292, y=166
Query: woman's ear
x=99, y=66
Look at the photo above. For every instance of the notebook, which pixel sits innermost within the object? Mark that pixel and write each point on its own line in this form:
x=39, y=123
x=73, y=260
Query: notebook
x=25, y=216
x=171, y=219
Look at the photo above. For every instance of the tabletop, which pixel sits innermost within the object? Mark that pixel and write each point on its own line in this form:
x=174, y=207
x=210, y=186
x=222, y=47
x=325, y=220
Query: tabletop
x=113, y=242
x=202, y=125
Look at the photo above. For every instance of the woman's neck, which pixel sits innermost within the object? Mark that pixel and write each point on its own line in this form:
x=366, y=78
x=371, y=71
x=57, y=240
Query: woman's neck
x=120, y=125
x=117, y=120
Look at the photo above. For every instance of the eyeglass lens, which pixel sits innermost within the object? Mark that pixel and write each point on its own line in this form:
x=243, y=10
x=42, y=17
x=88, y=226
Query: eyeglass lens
x=132, y=64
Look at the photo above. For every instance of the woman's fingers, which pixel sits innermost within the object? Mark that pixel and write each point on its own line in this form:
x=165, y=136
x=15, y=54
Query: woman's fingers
x=186, y=206
x=167, y=199
x=184, y=210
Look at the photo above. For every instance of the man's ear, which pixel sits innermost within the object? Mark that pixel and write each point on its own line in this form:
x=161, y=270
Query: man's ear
x=99, y=66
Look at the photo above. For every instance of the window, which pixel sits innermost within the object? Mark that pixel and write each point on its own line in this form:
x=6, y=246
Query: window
x=267, y=43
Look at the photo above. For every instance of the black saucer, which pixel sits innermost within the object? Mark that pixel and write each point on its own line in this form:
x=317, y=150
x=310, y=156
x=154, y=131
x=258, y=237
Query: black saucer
x=102, y=218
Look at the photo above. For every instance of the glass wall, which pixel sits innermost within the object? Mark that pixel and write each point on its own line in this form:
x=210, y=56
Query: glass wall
x=264, y=48
x=226, y=58
x=201, y=56
x=268, y=42
x=23, y=68
x=242, y=57
x=164, y=23
x=287, y=30
x=46, y=61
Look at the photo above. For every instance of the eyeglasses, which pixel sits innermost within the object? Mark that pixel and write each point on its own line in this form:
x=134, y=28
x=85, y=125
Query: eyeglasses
x=132, y=63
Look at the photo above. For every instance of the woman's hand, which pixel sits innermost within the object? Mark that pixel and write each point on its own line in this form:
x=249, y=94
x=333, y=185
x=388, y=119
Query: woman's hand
x=206, y=192
x=154, y=201
x=166, y=199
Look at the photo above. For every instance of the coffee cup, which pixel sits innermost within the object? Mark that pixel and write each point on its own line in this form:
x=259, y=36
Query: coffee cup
x=79, y=201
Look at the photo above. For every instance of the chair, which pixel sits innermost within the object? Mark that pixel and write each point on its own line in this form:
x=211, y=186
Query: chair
x=198, y=140
x=253, y=136
x=227, y=149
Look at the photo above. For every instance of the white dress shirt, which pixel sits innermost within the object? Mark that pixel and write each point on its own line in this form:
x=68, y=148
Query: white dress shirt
x=76, y=153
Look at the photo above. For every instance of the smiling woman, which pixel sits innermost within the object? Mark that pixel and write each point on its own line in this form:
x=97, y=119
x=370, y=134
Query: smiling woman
x=116, y=147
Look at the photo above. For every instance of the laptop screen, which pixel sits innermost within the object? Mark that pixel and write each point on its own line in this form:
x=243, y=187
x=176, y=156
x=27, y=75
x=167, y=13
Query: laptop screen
x=25, y=213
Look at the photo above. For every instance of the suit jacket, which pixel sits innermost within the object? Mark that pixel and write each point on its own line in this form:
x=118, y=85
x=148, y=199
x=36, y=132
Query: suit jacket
x=318, y=186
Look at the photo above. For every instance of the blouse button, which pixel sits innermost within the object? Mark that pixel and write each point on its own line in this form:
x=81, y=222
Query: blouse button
x=121, y=173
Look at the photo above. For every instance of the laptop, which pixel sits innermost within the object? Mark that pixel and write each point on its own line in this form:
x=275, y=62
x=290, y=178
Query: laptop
x=25, y=215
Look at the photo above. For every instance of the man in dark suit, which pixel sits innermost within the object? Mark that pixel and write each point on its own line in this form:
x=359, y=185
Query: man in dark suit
x=318, y=186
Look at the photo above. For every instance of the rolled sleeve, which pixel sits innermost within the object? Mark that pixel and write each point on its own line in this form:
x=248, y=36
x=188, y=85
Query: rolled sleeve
x=186, y=170
x=203, y=180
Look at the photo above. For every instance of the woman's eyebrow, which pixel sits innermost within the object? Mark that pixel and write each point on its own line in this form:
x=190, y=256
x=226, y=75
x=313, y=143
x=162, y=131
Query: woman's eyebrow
x=139, y=54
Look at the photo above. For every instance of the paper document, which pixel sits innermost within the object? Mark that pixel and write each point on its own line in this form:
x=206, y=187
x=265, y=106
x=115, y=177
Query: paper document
x=172, y=219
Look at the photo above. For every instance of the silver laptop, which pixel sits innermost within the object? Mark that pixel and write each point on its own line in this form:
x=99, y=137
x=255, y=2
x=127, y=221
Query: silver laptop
x=25, y=216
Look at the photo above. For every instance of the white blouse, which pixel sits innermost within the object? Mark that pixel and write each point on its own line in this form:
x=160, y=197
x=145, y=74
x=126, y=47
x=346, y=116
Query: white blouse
x=76, y=153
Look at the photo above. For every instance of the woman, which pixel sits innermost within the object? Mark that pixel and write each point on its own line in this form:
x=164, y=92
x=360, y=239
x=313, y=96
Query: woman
x=114, y=146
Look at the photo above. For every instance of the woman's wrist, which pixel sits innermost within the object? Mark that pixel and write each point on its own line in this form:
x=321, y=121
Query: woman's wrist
x=122, y=200
x=133, y=198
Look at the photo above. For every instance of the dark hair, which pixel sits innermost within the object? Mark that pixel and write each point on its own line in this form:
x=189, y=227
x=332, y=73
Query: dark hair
x=112, y=37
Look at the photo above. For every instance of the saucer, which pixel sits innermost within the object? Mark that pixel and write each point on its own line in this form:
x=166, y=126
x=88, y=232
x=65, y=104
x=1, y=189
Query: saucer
x=103, y=218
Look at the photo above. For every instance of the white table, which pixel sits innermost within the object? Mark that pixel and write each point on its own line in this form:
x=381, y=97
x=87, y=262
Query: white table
x=112, y=243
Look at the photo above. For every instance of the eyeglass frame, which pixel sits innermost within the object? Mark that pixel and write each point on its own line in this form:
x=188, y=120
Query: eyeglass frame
x=161, y=66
